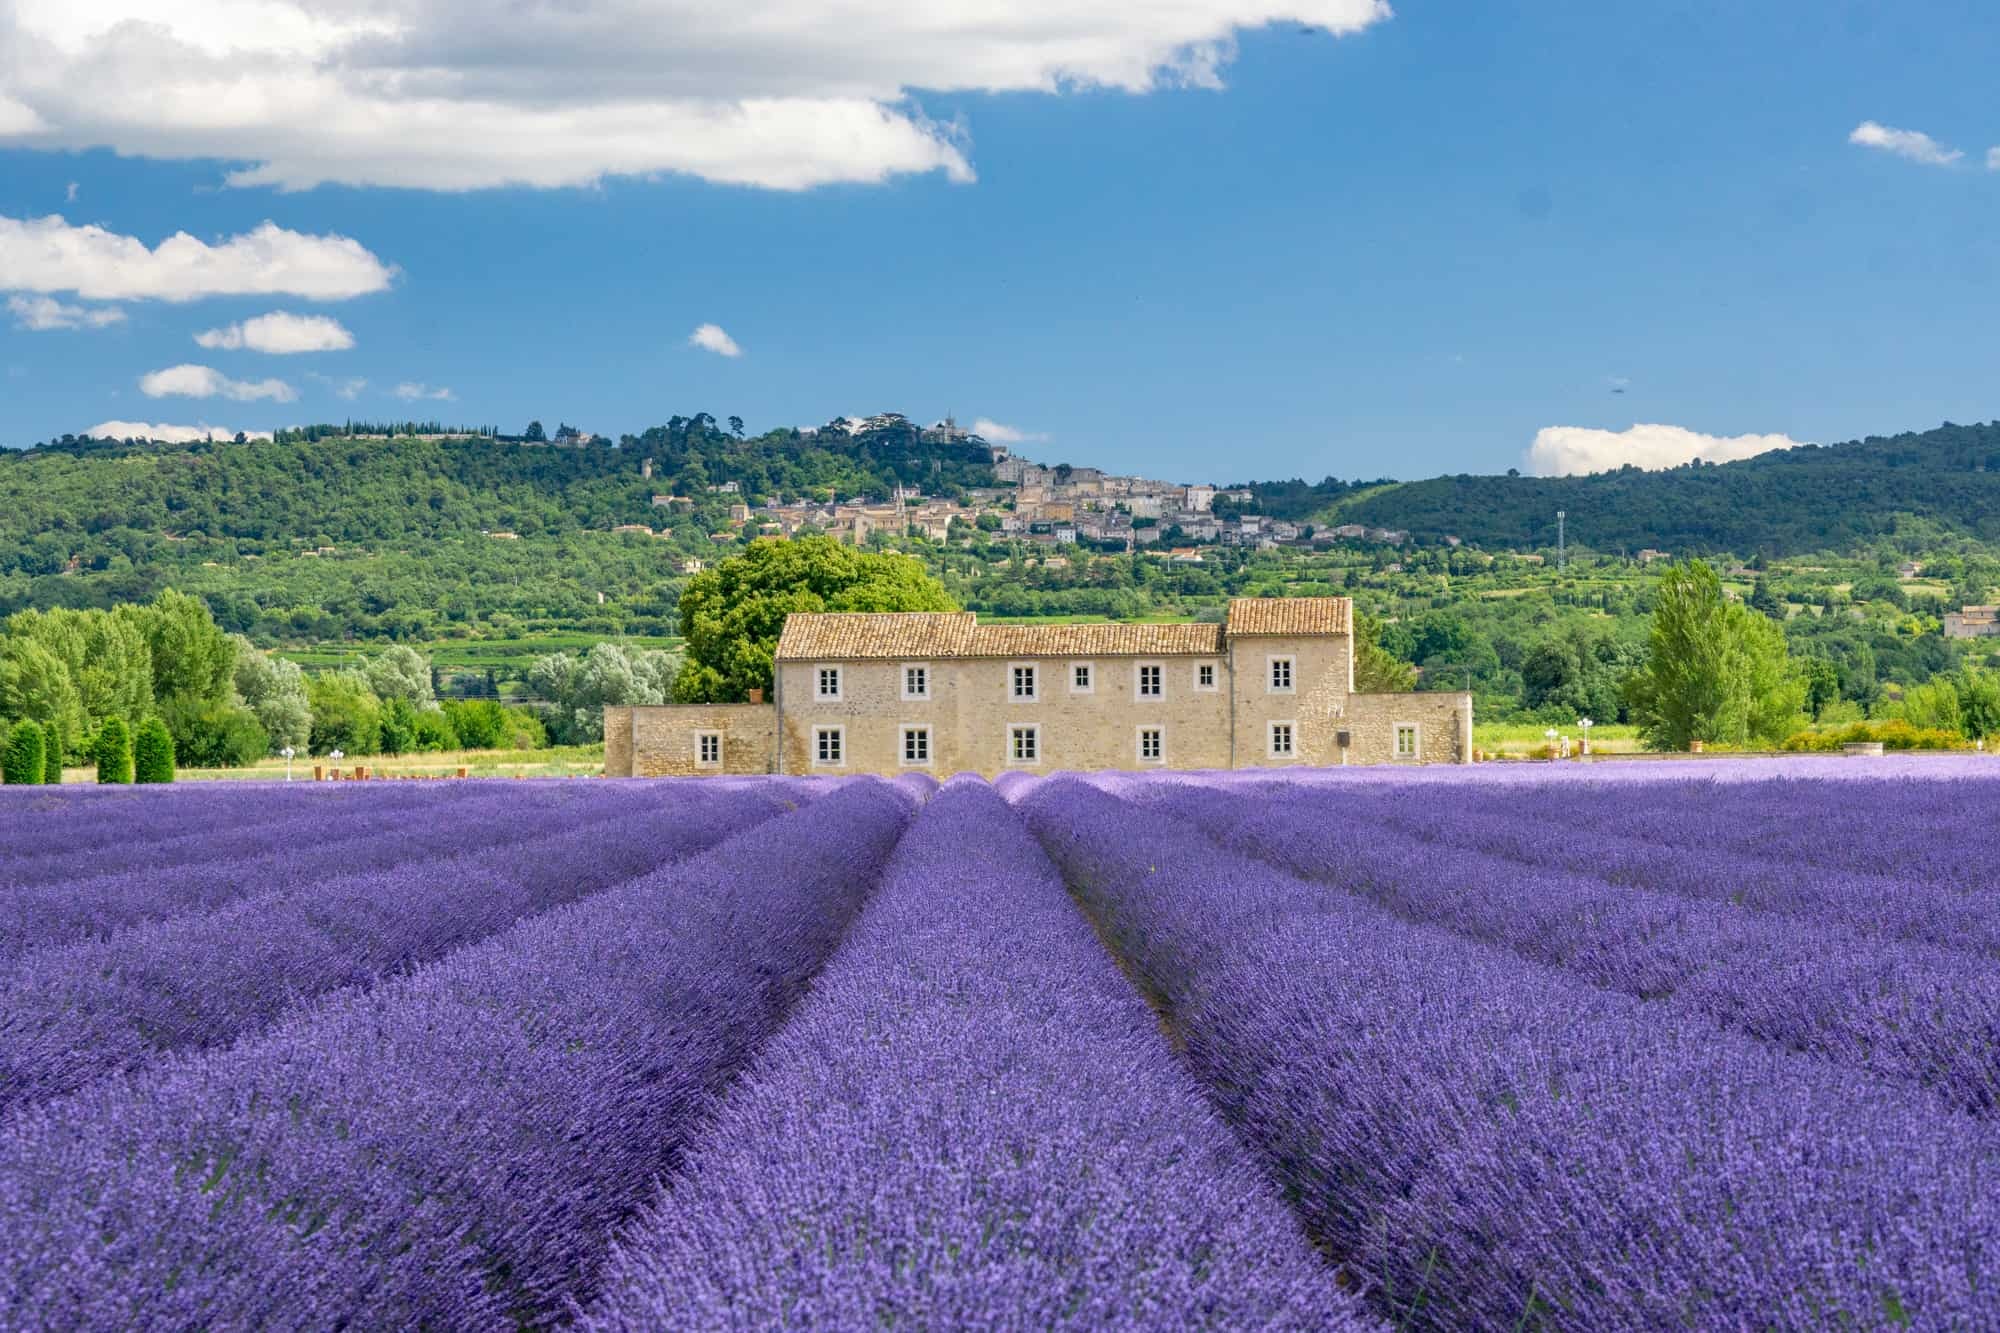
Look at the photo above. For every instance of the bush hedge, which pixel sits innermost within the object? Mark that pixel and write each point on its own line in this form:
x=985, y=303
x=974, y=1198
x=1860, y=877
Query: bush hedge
x=24, y=764
x=52, y=754
x=1893, y=733
x=153, y=752
x=114, y=752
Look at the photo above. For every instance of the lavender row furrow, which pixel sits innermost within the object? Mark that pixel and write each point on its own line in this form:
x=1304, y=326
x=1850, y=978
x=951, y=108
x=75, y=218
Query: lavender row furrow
x=78, y=820
x=972, y=1121
x=60, y=914
x=332, y=810
x=452, y=1149
x=1900, y=1012
x=1487, y=1143
x=71, y=1015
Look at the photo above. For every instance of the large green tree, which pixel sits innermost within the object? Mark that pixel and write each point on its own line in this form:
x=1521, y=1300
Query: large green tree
x=731, y=615
x=1715, y=670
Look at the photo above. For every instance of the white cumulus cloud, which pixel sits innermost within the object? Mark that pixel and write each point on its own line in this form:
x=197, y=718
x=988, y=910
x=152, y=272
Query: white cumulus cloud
x=711, y=338
x=1912, y=144
x=1001, y=433
x=280, y=334
x=51, y=255
x=203, y=382
x=1562, y=451
x=1993, y=159
x=42, y=313
x=437, y=94
x=165, y=434
x=412, y=392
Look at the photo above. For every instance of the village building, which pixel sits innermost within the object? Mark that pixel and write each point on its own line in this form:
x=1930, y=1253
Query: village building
x=1972, y=622
x=1271, y=686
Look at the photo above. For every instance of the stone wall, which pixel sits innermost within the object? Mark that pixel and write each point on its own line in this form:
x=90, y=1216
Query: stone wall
x=1315, y=706
x=972, y=711
x=663, y=742
x=1443, y=722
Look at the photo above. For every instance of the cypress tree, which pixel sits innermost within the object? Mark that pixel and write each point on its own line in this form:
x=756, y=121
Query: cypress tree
x=114, y=752
x=24, y=755
x=153, y=752
x=52, y=754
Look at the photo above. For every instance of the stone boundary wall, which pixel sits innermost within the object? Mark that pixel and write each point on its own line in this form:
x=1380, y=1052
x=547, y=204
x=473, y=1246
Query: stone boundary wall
x=659, y=741
x=1444, y=727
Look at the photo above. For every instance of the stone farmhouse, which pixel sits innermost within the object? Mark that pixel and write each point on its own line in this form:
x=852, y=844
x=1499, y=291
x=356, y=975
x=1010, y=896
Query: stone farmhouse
x=1972, y=622
x=1271, y=686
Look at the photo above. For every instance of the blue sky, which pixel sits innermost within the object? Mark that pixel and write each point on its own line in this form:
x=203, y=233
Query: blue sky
x=1221, y=251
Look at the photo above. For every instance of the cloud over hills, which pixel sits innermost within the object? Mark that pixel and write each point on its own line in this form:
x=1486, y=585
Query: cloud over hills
x=50, y=254
x=1564, y=451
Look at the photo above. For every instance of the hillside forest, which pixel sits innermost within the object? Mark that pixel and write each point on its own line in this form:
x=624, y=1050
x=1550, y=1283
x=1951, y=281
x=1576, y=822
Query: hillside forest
x=492, y=560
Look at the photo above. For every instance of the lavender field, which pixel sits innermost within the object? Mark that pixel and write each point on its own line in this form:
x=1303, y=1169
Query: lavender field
x=1635, y=1047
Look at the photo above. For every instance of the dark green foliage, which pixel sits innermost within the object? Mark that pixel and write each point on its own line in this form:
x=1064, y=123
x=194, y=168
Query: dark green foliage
x=52, y=754
x=433, y=732
x=214, y=734
x=1806, y=499
x=114, y=752
x=398, y=728
x=346, y=715
x=479, y=724
x=24, y=762
x=153, y=752
x=731, y=615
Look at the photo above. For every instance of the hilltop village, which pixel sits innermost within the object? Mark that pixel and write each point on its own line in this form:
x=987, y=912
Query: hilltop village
x=1046, y=505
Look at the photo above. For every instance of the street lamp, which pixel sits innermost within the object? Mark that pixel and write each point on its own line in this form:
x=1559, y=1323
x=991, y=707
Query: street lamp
x=288, y=752
x=1586, y=724
x=336, y=756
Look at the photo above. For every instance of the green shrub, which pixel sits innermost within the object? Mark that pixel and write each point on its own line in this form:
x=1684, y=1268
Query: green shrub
x=1893, y=733
x=114, y=752
x=433, y=732
x=153, y=752
x=52, y=754
x=399, y=726
x=346, y=715
x=209, y=733
x=24, y=764
x=480, y=724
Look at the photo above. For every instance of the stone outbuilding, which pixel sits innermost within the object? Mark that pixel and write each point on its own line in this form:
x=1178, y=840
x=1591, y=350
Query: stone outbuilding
x=1271, y=686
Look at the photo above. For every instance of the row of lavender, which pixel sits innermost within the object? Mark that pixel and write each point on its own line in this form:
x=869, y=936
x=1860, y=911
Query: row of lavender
x=1507, y=1094
x=452, y=1141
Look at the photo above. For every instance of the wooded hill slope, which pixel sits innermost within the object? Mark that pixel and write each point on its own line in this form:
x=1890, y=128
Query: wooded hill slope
x=1807, y=499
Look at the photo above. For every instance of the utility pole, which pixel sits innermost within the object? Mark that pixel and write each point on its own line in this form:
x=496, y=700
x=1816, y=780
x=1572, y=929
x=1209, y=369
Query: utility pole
x=1562, y=549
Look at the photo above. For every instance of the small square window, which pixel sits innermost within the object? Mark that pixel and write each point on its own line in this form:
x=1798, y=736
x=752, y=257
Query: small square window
x=829, y=683
x=916, y=746
x=1281, y=675
x=916, y=682
x=1152, y=745
x=1406, y=740
x=1152, y=680
x=1081, y=678
x=1204, y=675
x=829, y=747
x=1024, y=744
x=1281, y=740
x=1023, y=683
x=708, y=749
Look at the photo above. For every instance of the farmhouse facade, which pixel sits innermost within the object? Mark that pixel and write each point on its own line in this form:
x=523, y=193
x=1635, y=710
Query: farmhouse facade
x=1271, y=686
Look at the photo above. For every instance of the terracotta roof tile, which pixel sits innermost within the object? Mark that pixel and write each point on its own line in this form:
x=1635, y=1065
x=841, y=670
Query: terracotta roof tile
x=1290, y=615
x=849, y=637
x=1100, y=640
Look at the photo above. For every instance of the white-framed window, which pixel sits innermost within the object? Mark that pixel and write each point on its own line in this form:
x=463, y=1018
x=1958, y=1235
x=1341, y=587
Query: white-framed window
x=1082, y=678
x=1283, y=740
x=1205, y=677
x=829, y=747
x=916, y=680
x=827, y=683
x=1409, y=741
x=1149, y=681
x=1023, y=682
x=1281, y=674
x=1152, y=745
x=916, y=747
x=1024, y=743
x=708, y=749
